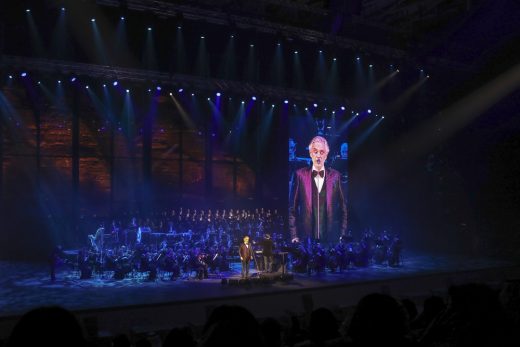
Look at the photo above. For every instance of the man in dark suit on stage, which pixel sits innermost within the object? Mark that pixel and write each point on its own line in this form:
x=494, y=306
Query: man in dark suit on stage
x=246, y=254
x=317, y=207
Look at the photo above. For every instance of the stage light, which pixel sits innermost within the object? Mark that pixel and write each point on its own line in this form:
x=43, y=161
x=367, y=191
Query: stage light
x=218, y=94
x=272, y=105
x=39, y=82
x=180, y=90
x=370, y=65
x=253, y=98
x=128, y=90
x=59, y=81
x=295, y=52
x=10, y=77
x=115, y=83
x=397, y=70
x=73, y=79
x=427, y=76
x=209, y=99
x=306, y=109
x=23, y=74
x=202, y=37
x=286, y=101
x=324, y=109
x=86, y=87
x=171, y=94
x=369, y=111
x=334, y=59
x=243, y=102
x=122, y=18
x=357, y=58
x=232, y=36
x=333, y=112
x=278, y=44
x=93, y=20
x=383, y=117
x=320, y=51
x=251, y=45
x=421, y=70
x=159, y=88
x=342, y=108
x=192, y=94
x=63, y=9
x=28, y=10
x=104, y=85
x=179, y=27
x=149, y=29
x=315, y=105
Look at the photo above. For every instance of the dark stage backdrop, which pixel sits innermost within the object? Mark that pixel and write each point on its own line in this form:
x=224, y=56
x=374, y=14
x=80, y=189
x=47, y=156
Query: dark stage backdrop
x=70, y=153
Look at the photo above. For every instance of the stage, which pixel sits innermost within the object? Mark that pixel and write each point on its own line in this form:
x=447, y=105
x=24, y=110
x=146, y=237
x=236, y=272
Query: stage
x=139, y=303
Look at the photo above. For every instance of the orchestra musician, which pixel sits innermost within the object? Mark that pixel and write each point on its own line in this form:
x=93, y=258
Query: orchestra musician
x=267, y=252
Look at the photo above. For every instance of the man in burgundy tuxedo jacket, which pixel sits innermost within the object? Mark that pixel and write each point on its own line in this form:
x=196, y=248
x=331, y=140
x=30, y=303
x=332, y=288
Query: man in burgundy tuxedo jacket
x=317, y=207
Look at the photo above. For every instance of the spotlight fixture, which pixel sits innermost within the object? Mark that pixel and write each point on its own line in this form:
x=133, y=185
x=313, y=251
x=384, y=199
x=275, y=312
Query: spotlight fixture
x=158, y=88
x=357, y=58
x=286, y=101
x=252, y=98
x=115, y=83
x=39, y=82
x=128, y=90
x=218, y=94
x=342, y=108
x=28, y=10
x=202, y=37
x=369, y=111
x=180, y=90
x=243, y=102
x=73, y=79
x=10, y=77
x=295, y=52
x=93, y=20
x=334, y=59
x=23, y=74
x=122, y=18
x=306, y=109
x=209, y=99
x=192, y=94
x=251, y=45
x=59, y=81
x=272, y=105
x=315, y=105
x=63, y=9
x=86, y=87
x=104, y=85
x=149, y=29
x=171, y=94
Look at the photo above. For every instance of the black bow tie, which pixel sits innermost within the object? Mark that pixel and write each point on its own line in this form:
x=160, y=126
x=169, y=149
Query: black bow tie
x=315, y=173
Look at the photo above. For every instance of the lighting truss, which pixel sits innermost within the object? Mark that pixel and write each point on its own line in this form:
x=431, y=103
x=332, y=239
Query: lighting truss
x=148, y=77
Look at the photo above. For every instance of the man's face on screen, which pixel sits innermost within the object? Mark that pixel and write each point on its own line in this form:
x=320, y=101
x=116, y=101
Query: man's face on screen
x=318, y=153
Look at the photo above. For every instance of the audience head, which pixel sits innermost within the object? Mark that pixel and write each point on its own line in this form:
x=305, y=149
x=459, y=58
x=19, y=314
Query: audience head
x=47, y=326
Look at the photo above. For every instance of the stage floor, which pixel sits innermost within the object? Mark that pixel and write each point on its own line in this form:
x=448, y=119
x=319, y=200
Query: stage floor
x=24, y=286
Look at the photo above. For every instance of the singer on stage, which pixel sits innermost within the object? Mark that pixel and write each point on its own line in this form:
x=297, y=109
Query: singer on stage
x=317, y=207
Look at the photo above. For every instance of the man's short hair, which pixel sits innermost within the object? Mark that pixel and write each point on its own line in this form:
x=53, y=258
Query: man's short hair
x=319, y=139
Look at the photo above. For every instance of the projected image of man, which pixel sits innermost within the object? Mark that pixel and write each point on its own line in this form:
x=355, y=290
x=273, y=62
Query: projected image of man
x=317, y=207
